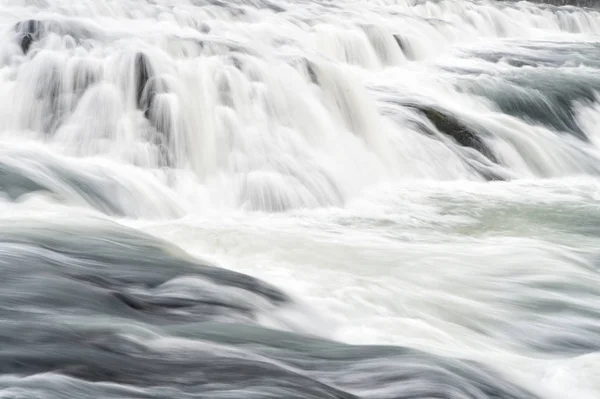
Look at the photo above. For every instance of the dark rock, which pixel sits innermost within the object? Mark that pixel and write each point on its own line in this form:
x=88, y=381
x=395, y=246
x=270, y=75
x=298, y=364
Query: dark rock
x=452, y=127
x=149, y=88
x=26, y=41
x=32, y=30
x=405, y=47
x=28, y=32
x=143, y=72
x=312, y=73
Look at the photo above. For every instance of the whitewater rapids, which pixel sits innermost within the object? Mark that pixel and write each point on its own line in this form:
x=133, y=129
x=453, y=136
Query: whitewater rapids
x=375, y=199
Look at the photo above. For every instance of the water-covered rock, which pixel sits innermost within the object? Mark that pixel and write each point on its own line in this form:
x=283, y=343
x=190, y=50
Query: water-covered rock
x=95, y=307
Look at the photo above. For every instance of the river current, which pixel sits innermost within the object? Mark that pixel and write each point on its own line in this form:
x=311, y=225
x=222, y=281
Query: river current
x=375, y=199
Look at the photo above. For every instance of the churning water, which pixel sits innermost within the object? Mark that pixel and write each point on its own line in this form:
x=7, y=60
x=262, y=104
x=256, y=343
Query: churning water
x=299, y=199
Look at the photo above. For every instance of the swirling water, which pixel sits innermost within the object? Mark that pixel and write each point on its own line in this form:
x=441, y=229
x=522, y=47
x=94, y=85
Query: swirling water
x=299, y=199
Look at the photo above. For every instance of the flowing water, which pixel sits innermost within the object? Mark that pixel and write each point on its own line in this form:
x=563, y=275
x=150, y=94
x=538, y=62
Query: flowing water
x=299, y=199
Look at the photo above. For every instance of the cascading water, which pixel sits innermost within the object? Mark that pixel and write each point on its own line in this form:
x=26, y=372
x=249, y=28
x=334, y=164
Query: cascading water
x=413, y=186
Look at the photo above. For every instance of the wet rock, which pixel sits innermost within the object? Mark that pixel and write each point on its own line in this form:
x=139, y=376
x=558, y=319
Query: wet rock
x=312, y=73
x=452, y=127
x=306, y=67
x=32, y=30
x=143, y=72
x=25, y=42
x=151, y=100
x=28, y=32
x=405, y=47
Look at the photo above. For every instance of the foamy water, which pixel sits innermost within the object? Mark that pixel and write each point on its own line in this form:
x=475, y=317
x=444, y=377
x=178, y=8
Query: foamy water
x=381, y=199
